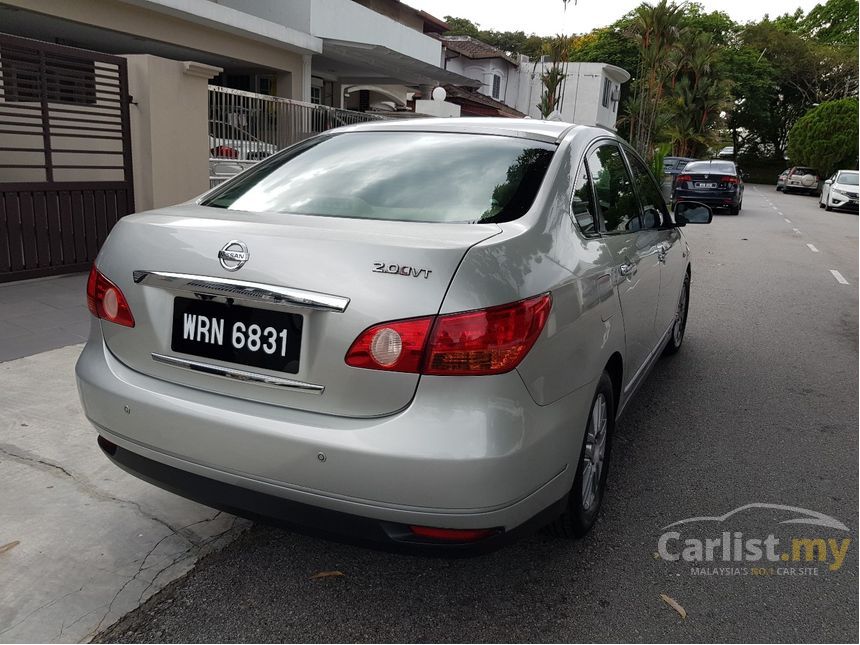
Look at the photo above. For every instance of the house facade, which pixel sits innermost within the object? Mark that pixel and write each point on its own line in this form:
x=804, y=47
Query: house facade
x=589, y=92
x=375, y=54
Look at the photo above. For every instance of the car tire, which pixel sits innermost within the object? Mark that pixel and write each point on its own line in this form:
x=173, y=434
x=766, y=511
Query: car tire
x=586, y=495
x=828, y=207
x=820, y=204
x=679, y=328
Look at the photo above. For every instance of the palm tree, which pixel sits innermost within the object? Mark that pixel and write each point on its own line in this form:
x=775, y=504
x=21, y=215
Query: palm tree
x=553, y=78
x=655, y=29
x=697, y=96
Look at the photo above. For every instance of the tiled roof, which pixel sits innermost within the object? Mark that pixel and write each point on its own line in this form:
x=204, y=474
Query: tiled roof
x=457, y=94
x=474, y=48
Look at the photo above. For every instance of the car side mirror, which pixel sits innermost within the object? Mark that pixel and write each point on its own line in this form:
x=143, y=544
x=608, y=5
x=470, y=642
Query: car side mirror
x=828, y=181
x=692, y=213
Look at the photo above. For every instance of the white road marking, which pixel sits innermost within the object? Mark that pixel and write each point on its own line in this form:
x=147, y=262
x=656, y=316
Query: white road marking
x=812, y=248
x=787, y=220
x=774, y=207
x=780, y=212
x=796, y=230
x=839, y=277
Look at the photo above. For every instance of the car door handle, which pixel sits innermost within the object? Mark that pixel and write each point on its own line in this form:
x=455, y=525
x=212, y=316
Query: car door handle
x=627, y=270
x=662, y=250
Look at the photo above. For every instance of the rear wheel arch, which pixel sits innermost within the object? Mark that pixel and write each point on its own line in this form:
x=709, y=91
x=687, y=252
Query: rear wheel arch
x=615, y=369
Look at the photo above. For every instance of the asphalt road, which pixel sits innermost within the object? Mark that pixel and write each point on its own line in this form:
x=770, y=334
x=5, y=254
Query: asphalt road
x=760, y=406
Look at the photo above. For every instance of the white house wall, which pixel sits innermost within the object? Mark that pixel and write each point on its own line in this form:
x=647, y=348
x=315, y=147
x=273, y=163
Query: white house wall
x=483, y=69
x=344, y=20
x=581, y=96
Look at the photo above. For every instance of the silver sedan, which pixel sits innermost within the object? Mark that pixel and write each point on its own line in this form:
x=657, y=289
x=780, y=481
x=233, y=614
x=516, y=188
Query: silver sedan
x=419, y=333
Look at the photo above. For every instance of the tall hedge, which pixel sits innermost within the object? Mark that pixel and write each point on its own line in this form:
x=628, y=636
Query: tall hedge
x=826, y=137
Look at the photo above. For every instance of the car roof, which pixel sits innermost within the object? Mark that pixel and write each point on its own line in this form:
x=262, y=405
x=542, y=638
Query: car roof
x=527, y=128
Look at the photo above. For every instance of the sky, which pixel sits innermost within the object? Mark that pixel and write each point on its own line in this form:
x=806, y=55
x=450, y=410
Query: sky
x=548, y=17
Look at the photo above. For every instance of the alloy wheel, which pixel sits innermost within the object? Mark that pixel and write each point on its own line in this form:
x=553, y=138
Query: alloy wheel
x=594, y=454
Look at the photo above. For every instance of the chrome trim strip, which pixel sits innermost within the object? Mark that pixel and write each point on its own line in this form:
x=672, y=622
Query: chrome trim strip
x=239, y=375
x=241, y=290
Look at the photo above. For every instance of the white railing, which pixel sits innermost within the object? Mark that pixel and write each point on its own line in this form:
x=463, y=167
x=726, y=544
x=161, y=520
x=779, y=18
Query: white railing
x=245, y=127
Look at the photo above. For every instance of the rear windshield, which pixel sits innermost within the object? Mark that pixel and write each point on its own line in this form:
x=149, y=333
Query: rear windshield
x=407, y=176
x=710, y=166
x=847, y=178
x=803, y=171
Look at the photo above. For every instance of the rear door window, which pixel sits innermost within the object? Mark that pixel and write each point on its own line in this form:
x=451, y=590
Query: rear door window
x=582, y=204
x=613, y=189
x=654, y=211
x=407, y=176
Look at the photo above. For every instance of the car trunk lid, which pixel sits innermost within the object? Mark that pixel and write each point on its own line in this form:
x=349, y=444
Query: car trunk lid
x=310, y=284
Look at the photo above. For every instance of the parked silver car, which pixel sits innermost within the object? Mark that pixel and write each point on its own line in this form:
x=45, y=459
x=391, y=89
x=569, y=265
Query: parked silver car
x=416, y=332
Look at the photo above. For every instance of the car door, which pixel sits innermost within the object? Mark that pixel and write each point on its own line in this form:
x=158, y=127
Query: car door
x=671, y=250
x=636, y=267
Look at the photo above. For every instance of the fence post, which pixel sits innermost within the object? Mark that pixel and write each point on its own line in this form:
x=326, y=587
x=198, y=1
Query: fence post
x=169, y=129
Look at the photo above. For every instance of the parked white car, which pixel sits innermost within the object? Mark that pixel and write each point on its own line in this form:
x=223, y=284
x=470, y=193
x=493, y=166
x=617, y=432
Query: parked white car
x=840, y=191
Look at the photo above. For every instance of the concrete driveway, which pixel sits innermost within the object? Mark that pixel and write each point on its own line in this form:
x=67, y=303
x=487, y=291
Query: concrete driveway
x=38, y=315
x=81, y=542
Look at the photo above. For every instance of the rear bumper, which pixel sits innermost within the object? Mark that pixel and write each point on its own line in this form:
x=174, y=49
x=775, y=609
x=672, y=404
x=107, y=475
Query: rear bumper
x=313, y=520
x=800, y=188
x=713, y=199
x=470, y=455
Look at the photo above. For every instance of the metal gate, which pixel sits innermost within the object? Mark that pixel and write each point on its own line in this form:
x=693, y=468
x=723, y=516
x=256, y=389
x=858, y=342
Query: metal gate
x=65, y=156
x=245, y=128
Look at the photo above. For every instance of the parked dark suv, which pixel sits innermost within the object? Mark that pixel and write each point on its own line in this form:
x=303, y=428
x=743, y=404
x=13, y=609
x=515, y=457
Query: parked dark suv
x=714, y=182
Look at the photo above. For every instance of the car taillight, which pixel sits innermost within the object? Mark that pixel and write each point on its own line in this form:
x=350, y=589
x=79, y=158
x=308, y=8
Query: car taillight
x=729, y=179
x=106, y=301
x=487, y=341
x=395, y=346
x=452, y=535
x=225, y=152
x=471, y=343
x=684, y=178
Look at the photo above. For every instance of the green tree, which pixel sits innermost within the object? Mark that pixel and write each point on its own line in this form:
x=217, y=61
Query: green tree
x=826, y=137
x=698, y=96
x=722, y=29
x=753, y=88
x=833, y=23
x=461, y=27
x=655, y=29
x=512, y=42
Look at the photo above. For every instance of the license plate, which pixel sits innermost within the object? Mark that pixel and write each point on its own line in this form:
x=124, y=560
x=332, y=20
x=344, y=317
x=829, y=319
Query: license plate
x=244, y=335
x=703, y=184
